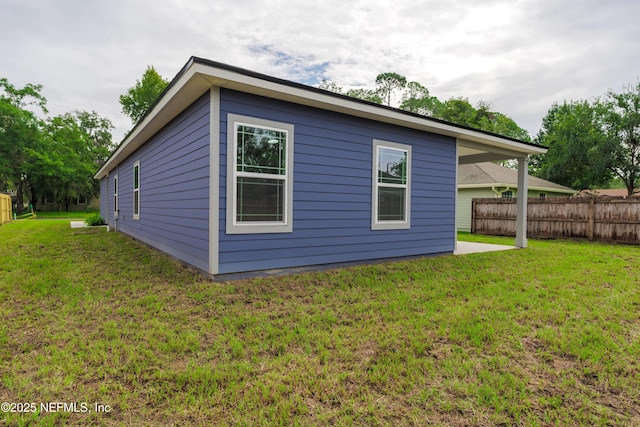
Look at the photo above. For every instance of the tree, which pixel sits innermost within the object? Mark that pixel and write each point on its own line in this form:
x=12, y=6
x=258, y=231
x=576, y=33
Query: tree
x=365, y=94
x=457, y=110
x=579, y=154
x=460, y=111
x=417, y=99
x=621, y=119
x=67, y=157
x=387, y=83
x=20, y=131
x=330, y=86
x=57, y=156
x=97, y=131
x=591, y=142
x=502, y=124
x=139, y=98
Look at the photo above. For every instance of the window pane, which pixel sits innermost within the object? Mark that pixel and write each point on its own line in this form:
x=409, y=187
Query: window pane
x=261, y=150
x=260, y=200
x=136, y=177
x=136, y=202
x=391, y=204
x=392, y=166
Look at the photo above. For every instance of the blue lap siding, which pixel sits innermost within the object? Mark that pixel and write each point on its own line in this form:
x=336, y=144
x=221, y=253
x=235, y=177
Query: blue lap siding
x=174, y=188
x=104, y=191
x=332, y=185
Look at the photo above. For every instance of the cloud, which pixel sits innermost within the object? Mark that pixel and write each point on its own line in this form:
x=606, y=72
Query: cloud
x=518, y=55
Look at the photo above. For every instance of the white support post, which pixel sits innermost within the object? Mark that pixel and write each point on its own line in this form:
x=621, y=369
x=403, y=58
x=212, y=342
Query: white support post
x=523, y=193
x=455, y=215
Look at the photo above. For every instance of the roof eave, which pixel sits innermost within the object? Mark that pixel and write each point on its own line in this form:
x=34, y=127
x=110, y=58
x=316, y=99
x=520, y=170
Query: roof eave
x=530, y=187
x=199, y=75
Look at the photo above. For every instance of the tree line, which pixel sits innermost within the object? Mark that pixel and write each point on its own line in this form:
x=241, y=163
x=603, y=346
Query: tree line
x=592, y=143
x=55, y=158
x=52, y=158
x=416, y=98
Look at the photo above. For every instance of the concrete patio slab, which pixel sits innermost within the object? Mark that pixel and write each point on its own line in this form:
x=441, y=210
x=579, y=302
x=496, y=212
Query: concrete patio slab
x=78, y=224
x=473, y=247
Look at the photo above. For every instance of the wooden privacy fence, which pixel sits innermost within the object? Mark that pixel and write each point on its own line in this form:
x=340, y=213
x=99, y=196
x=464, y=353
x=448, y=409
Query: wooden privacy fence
x=5, y=208
x=605, y=218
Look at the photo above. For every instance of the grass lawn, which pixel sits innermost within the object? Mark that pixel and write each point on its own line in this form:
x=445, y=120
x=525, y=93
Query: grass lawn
x=80, y=215
x=549, y=335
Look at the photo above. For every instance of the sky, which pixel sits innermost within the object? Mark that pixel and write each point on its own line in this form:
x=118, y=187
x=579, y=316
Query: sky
x=519, y=56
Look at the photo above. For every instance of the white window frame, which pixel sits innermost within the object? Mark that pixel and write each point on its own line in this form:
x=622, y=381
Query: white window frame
x=237, y=227
x=136, y=191
x=507, y=194
x=115, y=196
x=377, y=224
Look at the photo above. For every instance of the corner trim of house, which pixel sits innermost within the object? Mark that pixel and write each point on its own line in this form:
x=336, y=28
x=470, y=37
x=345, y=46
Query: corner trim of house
x=214, y=178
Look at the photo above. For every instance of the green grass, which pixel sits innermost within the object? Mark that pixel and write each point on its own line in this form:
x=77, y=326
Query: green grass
x=80, y=215
x=544, y=336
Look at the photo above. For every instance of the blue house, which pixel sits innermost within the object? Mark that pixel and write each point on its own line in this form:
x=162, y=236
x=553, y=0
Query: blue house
x=232, y=171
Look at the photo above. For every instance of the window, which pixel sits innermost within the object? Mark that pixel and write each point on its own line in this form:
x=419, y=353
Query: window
x=542, y=195
x=391, y=186
x=82, y=200
x=507, y=194
x=136, y=190
x=259, y=189
x=115, y=196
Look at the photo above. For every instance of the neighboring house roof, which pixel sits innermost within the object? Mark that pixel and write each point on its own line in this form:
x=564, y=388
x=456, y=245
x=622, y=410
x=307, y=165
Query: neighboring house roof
x=492, y=175
x=199, y=75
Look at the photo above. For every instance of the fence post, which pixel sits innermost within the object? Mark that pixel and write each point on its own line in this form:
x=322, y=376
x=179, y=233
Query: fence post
x=591, y=219
x=473, y=216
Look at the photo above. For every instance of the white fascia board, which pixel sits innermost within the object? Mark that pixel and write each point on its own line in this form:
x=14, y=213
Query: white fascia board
x=237, y=81
x=187, y=89
x=198, y=78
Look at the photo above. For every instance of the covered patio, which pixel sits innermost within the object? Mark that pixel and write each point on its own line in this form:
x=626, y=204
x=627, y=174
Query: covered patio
x=470, y=151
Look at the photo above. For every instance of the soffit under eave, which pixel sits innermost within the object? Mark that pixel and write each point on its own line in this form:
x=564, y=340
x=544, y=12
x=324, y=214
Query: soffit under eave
x=493, y=149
